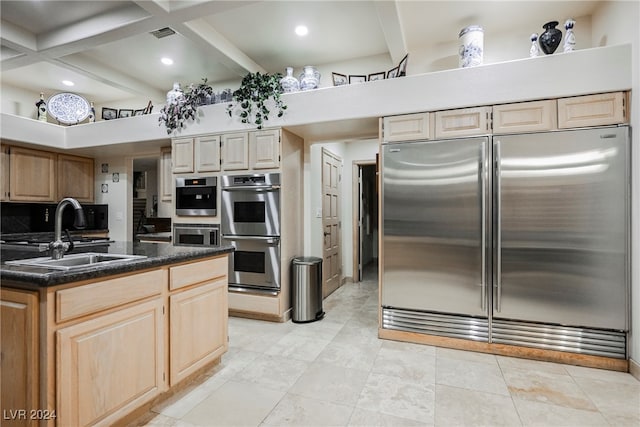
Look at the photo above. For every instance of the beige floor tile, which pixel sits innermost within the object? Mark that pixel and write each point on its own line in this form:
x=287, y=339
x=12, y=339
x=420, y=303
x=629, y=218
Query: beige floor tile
x=274, y=372
x=332, y=383
x=235, y=404
x=613, y=399
x=179, y=405
x=546, y=387
x=355, y=355
x=601, y=374
x=234, y=361
x=531, y=365
x=408, y=347
x=537, y=414
x=470, y=356
x=406, y=364
x=460, y=407
x=324, y=329
x=393, y=396
x=301, y=411
x=365, y=418
x=299, y=347
x=478, y=376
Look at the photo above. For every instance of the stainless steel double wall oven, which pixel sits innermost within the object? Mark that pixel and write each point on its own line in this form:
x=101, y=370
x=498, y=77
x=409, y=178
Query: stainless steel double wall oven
x=250, y=221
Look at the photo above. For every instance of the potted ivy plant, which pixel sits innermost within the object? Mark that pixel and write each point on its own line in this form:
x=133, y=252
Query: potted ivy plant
x=175, y=114
x=251, y=99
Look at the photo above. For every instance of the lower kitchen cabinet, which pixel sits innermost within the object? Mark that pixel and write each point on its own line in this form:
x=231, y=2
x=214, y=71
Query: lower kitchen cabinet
x=198, y=328
x=110, y=365
x=19, y=356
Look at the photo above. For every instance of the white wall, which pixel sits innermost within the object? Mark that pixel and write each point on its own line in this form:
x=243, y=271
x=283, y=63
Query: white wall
x=349, y=151
x=616, y=22
x=116, y=197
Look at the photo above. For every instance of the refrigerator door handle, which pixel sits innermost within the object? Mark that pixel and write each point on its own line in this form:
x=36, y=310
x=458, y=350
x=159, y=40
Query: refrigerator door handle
x=498, y=196
x=483, y=225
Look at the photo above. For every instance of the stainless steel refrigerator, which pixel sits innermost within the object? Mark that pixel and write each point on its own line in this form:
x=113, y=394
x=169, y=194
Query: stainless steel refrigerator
x=516, y=239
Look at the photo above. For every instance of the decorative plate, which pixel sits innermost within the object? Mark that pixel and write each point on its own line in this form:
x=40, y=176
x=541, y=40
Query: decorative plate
x=68, y=108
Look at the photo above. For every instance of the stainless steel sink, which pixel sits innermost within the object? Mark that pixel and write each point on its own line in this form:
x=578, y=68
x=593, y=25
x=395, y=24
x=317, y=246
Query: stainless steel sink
x=76, y=260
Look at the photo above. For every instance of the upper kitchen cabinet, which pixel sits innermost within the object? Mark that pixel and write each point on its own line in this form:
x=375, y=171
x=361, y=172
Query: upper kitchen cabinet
x=264, y=149
x=593, y=110
x=463, y=122
x=4, y=173
x=31, y=175
x=408, y=127
x=199, y=154
x=235, y=151
x=75, y=176
x=534, y=116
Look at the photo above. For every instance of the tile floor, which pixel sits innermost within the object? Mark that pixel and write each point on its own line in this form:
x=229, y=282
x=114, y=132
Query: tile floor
x=336, y=372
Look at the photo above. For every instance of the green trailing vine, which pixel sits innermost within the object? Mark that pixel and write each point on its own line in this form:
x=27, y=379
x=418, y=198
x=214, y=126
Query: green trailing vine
x=175, y=115
x=252, y=96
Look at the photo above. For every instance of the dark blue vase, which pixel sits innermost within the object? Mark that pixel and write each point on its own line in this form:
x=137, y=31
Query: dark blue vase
x=550, y=39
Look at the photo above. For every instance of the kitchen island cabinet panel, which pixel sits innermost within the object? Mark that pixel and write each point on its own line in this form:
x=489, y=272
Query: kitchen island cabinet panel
x=19, y=354
x=198, y=328
x=189, y=274
x=81, y=300
x=110, y=365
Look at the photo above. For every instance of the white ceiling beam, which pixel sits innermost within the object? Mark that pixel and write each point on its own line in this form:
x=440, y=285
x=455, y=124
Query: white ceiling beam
x=215, y=44
x=392, y=29
x=17, y=38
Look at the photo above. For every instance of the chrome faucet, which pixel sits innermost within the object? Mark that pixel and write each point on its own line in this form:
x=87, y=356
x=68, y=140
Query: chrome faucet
x=57, y=248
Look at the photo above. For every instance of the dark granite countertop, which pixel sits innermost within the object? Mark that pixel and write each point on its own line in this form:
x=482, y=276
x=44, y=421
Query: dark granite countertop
x=157, y=254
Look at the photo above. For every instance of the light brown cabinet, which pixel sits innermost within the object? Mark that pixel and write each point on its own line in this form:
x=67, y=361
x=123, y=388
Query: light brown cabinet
x=195, y=155
x=198, y=328
x=463, y=122
x=4, y=173
x=408, y=127
x=112, y=345
x=75, y=178
x=32, y=175
x=42, y=176
x=19, y=356
x=264, y=149
x=593, y=110
x=534, y=116
x=235, y=151
x=110, y=365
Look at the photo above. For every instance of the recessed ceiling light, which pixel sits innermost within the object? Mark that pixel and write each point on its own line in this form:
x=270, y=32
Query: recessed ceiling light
x=302, y=30
x=167, y=61
x=68, y=83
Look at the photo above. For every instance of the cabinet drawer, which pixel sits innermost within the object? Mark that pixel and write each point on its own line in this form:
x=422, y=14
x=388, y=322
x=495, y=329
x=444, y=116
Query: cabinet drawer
x=94, y=297
x=532, y=116
x=592, y=110
x=254, y=303
x=407, y=127
x=463, y=122
x=196, y=272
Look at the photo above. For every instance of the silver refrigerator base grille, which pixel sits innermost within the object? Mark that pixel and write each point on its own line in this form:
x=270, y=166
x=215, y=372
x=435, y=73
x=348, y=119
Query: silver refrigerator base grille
x=562, y=338
x=469, y=328
x=547, y=337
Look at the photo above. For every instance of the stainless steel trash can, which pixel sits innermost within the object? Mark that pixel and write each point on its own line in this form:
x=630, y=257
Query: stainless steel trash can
x=306, y=289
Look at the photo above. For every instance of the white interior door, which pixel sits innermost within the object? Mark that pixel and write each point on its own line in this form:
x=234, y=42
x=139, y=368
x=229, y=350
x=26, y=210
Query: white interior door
x=331, y=223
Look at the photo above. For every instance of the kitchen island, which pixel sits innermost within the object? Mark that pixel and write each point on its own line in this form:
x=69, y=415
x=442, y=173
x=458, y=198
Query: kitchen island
x=99, y=345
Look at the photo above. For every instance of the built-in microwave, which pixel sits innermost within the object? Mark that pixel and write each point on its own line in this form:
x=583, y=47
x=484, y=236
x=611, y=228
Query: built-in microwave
x=196, y=196
x=196, y=234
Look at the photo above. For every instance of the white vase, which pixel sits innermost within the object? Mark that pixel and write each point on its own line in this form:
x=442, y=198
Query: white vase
x=92, y=114
x=310, y=78
x=471, y=46
x=569, y=38
x=534, y=50
x=175, y=94
x=289, y=83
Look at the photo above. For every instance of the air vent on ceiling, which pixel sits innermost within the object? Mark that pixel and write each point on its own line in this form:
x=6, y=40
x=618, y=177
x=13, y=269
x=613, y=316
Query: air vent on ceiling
x=163, y=32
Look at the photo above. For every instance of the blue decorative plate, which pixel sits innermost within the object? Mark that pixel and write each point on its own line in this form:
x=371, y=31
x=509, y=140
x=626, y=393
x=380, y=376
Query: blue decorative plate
x=68, y=108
